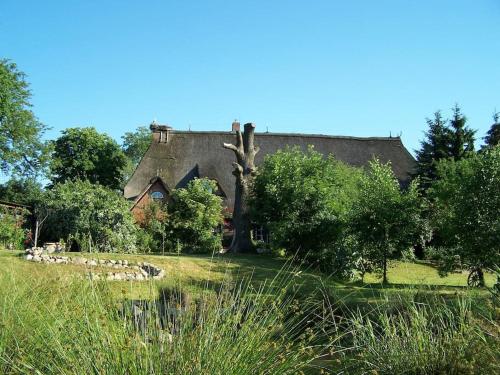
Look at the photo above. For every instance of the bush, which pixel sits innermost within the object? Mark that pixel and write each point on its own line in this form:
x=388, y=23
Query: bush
x=12, y=233
x=89, y=216
x=194, y=214
x=303, y=199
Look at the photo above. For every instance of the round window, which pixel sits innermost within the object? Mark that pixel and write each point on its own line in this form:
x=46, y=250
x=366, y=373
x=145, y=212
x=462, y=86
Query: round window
x=157, y=195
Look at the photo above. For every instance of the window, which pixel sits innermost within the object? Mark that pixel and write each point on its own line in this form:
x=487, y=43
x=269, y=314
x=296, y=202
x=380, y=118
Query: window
x=260, y=234
x=157, y=195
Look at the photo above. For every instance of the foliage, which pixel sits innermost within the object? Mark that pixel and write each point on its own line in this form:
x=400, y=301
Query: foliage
x=135, y=145
x=153, y=236
x=493, y=136
x=303, y=199
x=91, y=216
x=12, y=233
x=466, y=210
x=85, y=154
x=24, y=191
x=193, y=216
x=385, y=219
x=21, y=149
x=454, y=140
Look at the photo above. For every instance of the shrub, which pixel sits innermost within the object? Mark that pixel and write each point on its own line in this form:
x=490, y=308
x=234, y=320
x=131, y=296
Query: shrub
x=194, y=214
x=89, y=216
x=303, y=199
x=12, y=233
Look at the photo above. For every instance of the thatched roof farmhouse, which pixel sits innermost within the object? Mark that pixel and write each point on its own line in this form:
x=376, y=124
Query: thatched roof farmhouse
x=175, y=157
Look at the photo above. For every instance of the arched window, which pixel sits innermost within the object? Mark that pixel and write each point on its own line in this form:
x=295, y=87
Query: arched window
x=157, y=195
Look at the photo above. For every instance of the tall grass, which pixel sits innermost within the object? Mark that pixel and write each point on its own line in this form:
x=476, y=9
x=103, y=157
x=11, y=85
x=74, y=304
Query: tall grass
x=424, y=336
x=46, y=328
x=79, y=327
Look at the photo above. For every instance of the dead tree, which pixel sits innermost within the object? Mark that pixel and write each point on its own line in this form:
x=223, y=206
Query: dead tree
x=244, y=171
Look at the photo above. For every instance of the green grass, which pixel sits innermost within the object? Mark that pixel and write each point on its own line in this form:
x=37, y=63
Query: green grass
x=258, y=315
x=201, y=271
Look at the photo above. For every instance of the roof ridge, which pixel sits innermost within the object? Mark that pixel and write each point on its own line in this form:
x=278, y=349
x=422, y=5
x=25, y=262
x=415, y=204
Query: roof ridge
x=290, y=135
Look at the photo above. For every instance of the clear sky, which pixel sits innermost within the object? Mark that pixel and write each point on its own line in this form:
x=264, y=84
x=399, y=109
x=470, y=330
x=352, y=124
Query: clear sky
x=361, y=68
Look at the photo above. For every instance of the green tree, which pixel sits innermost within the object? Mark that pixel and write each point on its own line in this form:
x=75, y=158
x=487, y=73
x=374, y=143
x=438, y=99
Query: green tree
x=493, y=136
x=90, y=216
x=303, y=199
x=466, y=213
x=194, y=214
x=85, y=154
x=386, y=220
x=444, y=139
x=21, y=148
x=135, y=144
x=26, y=191
x=434, y=148
x=462, y=137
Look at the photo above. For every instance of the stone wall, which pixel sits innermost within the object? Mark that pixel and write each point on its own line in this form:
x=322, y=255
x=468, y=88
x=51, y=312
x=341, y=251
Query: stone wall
x=122, y=269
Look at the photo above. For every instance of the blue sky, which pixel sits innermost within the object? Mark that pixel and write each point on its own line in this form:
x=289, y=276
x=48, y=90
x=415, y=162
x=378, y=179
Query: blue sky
x=361, y=68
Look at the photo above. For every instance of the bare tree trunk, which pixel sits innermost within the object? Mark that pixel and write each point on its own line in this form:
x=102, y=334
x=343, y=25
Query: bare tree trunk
x=244, y=171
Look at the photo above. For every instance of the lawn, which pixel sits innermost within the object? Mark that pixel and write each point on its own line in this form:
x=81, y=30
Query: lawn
x=202, y=272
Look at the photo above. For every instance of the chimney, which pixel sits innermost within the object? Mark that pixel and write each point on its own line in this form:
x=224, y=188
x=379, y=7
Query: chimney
x=161, y=133
x=235, y=126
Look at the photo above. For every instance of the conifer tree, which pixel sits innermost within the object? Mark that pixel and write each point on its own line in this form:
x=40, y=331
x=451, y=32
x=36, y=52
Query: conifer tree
x=493, y=136
x=444, y=139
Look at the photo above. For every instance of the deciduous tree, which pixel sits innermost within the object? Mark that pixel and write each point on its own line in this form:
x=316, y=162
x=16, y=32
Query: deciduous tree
x=244, y=171
x=303, y=199
x=85, y=154
x=21, y=148
x=386, y=220
x=135, y=145
x=466, y=212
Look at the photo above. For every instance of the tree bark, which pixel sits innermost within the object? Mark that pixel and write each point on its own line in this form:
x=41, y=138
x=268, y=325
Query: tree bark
x=244, y=171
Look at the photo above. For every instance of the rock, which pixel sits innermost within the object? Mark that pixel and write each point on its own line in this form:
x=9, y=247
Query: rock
x=92, y=262
x=79, y=260
x=37, y=258
x=29, y=257
x=102, y=261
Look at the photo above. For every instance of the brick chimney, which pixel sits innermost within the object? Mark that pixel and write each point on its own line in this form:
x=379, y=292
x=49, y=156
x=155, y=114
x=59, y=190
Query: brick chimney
x=235, y=126
x=161, y=133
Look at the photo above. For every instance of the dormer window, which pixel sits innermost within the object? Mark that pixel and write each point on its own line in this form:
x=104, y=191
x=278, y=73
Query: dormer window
x=157, y=195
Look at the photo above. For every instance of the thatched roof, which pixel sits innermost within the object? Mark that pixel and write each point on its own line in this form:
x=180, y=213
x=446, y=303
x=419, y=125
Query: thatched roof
x=188, y=154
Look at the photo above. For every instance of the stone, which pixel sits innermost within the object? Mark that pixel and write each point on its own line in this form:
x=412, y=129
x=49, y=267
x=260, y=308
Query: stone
x=79, y=260
x=29, y=257
x=37, y=258
x=92, y=262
